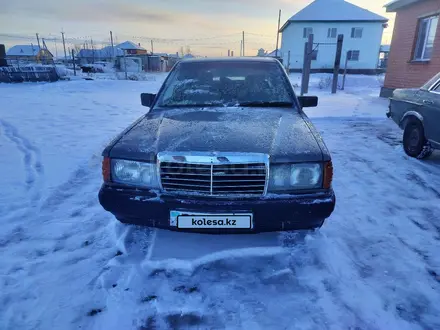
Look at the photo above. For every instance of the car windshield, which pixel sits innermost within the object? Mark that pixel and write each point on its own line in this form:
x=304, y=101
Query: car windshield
x=227, y=83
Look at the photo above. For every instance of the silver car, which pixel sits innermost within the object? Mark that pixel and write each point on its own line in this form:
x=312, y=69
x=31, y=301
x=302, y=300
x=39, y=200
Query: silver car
x=417, y=112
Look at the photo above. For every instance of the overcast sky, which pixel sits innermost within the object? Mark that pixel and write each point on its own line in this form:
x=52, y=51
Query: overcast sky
x=209, y=27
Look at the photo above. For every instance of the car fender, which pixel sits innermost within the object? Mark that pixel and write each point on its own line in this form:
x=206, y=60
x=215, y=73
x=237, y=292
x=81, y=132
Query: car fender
x=106, y=151
x=408, y=115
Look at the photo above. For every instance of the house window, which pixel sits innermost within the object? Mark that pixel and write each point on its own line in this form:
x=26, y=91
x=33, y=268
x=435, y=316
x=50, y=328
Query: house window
x=332, y=32
x=425, y=38
x=307, y=31
x=356, y=32
x=314, y=55
x=353, y=55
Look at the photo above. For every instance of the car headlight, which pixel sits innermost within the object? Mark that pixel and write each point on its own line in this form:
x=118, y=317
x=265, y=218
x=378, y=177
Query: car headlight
x=295, y=177
x=135, y=173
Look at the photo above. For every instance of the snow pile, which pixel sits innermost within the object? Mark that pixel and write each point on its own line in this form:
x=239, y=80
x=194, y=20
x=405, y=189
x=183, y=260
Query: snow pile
x=323, y=81
x=63, y=71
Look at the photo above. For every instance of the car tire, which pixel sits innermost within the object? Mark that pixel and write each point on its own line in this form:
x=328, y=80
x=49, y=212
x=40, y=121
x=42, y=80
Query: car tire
x=414, y=140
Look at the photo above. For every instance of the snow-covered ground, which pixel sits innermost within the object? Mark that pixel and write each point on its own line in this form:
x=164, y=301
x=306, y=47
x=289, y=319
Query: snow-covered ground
x=67, y=264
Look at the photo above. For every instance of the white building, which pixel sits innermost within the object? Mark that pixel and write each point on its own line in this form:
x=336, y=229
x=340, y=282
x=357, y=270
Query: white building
x=326, y=19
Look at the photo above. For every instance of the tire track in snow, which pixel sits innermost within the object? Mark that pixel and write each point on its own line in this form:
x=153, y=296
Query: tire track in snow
x=33, y=166
x=86, y=175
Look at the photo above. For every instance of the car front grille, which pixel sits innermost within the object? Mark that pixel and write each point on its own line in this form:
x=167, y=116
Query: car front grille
x=214, y=179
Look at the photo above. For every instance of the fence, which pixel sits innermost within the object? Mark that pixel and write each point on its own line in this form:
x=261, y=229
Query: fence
x=28, y=74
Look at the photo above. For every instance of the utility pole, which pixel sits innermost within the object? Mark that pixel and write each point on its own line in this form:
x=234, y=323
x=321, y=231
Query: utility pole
x=38, y=40
x=243, y=44
x=93, y=51
x=125, y=66
x=337, y=63
x=64, y=46
x=229, y=52
x=278, y=33
x=73, y=60
x=241, y=48
x=232, y=53
x=113, y=47
x=56, y=48
x=152, y=47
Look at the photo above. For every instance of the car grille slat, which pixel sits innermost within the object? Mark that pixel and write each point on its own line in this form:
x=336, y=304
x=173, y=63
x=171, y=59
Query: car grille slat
x=214, y=179
x=185, y=179
x=186, y=174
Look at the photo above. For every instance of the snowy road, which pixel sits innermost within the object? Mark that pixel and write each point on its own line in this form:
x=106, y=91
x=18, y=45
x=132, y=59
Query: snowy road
x=67, y=264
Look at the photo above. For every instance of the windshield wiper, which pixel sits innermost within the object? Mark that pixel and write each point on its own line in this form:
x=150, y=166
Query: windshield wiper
x=274, y=104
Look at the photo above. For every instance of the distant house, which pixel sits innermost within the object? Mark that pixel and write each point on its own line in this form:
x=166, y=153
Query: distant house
x=415, y=48
x=29, y=53
x=383, y=56
x=131, y=48
x=93, y=55
x=326, y=19
x=108, y=52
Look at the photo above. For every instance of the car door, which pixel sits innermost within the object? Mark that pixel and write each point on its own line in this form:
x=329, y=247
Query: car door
x=430, y=110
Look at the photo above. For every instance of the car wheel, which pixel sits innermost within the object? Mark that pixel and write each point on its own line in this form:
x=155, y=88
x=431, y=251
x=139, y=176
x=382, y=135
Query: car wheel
x=414, y=141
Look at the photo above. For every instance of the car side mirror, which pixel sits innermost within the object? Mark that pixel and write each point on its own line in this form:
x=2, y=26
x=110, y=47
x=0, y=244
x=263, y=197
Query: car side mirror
x=147, y=99
x=308, y=101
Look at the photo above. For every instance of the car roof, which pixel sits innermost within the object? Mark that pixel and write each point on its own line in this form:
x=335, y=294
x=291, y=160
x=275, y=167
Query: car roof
x=229, y=59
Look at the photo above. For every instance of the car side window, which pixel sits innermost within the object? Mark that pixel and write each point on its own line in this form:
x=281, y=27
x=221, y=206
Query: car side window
x=436, y=87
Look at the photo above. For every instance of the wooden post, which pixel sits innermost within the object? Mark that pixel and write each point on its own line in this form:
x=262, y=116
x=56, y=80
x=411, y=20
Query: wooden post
x=303, y=76
x=307, y=63
x=113, y=47
x=345, y=71
x=243, y=43
x=38, y=40
x=278, y=33
x=337, y=63
x=64, y=46
x=73, y=60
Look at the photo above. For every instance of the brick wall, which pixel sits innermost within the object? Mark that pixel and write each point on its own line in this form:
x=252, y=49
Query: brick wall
x=400, y=72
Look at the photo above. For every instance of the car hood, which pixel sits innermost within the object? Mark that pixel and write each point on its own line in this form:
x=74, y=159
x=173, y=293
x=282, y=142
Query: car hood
x=404, y=93
x=283, y=134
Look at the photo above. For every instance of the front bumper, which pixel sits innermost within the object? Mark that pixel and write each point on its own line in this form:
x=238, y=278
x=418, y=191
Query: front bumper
x=271, y=213
x=389, y=114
